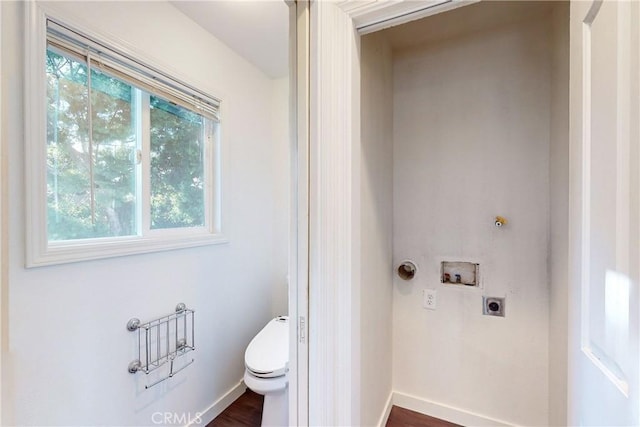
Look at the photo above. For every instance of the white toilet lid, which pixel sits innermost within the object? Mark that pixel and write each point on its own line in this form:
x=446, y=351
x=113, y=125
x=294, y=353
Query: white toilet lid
x=267, y=355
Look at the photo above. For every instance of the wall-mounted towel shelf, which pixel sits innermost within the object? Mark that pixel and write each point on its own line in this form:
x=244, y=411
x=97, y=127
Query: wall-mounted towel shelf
x=162, y=341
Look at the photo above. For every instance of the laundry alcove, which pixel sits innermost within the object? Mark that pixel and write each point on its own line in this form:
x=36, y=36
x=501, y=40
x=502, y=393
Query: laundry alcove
x=464, y=117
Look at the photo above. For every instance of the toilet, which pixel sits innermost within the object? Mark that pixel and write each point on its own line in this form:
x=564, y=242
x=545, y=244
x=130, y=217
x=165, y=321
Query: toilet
x=266, y=363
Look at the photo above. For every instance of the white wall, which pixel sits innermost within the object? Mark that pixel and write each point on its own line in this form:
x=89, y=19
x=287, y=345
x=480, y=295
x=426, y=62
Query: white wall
x=559, y=217
x=68, y=348
x=376, y=226
x=281, y=167
x=471, y=137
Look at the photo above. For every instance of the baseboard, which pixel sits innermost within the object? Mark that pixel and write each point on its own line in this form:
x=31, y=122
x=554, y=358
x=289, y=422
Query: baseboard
x=445, y=412
x=219, y=405
x=387, y=411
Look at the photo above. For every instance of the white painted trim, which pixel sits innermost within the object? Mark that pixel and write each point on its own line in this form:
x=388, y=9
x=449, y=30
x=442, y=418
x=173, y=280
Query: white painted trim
x=333, y=385
x=34, y=84
x=586, y=181
x=61, y=13
x=576, y=100
x=386, y=411
x=88, y=250
x=334, y=285
x=3, y=236
x=299, y=231
x=445, y=412
x=371, y=16
x=219, y=405
x=40, y=252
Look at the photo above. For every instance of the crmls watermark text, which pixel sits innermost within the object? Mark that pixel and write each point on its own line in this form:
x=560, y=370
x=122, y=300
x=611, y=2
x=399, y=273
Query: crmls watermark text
x=176, y=418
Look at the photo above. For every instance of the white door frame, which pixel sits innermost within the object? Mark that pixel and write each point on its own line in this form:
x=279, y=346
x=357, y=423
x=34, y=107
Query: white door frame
x=299, y=233
x=3, y=334
x=333, y=246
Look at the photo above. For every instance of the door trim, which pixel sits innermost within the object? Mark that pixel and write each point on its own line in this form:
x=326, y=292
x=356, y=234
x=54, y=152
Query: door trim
x=334, y=138
x=299, y=223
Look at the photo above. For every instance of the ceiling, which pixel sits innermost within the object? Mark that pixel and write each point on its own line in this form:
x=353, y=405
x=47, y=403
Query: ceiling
x=473, y=18
x=257, y=30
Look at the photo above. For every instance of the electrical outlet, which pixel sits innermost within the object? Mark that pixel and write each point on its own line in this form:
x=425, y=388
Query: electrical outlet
x=429, y=299
x=493, y=306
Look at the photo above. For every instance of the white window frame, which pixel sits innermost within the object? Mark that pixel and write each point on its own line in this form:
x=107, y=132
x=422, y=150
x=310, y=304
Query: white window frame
x=41, y=252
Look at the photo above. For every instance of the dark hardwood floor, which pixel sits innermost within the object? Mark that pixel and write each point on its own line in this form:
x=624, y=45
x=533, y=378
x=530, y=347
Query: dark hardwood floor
x=247, y=411
x=400, y=417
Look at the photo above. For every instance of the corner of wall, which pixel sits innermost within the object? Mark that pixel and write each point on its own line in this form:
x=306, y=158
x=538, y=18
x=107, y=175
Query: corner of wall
x=216, y=408
x=559, y=216
x=386, y=411
x=376, y=226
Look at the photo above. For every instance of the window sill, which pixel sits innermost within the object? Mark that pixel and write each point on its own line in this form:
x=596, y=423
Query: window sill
x=93, y=249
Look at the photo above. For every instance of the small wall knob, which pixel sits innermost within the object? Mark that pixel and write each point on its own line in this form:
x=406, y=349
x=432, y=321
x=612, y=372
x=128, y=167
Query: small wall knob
x=500, y=221
x=407, y=270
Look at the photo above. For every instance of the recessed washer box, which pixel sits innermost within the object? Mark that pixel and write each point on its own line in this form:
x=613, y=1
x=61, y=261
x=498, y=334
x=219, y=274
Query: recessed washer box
x=460, y=273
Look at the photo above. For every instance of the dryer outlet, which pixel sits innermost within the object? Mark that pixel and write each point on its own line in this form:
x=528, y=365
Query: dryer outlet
x=493, y=306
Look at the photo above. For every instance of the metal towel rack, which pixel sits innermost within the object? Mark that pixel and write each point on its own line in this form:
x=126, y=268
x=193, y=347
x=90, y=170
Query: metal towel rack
x=162, y=341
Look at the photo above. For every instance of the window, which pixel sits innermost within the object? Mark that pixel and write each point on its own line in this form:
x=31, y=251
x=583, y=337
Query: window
x=129, y=153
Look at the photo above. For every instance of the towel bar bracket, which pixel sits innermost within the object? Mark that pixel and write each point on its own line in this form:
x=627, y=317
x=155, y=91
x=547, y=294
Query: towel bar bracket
x=135, y=366
x=133, y=324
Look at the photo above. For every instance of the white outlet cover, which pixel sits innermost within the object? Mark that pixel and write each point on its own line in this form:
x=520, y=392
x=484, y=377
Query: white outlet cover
x=429, y=299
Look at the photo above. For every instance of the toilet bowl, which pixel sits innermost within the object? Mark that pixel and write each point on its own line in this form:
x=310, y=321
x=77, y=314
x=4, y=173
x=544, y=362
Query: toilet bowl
x=267, y=361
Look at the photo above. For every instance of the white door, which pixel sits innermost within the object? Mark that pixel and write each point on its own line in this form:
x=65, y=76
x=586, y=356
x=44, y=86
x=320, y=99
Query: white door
x=605, y=217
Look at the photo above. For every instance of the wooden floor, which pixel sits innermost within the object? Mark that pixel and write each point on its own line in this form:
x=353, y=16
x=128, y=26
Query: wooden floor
x=400, y=417
x=247, y=411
